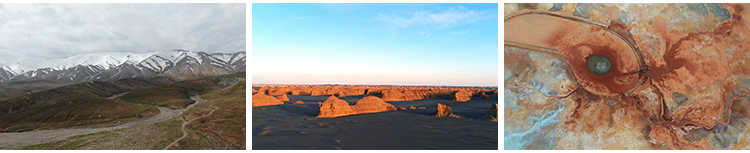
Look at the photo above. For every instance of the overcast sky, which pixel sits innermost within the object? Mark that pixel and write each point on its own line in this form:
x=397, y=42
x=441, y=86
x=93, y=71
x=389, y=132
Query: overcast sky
x=64, y=30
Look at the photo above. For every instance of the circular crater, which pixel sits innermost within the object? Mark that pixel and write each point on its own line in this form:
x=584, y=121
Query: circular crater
x=599, y=64
x=604, y=68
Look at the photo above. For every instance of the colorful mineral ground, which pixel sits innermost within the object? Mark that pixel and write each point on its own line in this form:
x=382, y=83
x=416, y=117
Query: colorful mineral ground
x=626, y=76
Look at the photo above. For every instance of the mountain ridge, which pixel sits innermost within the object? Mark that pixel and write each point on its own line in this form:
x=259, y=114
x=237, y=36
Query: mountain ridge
x=179, y=64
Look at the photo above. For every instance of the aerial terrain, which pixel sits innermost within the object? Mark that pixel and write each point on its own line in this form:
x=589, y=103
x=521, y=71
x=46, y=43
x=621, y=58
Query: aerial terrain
x=626, y=76
x=374, y=117
x=170, y=99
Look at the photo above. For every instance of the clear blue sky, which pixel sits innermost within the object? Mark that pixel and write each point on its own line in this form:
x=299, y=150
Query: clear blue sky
x=393, y=44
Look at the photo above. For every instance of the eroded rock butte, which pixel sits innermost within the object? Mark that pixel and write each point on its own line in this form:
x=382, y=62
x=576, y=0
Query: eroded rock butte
x=283, y=98
x=445, y=111
x=261, y=99
x=335, y=107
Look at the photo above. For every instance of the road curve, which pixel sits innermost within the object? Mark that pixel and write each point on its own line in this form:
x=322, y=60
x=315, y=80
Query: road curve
x=184, y=133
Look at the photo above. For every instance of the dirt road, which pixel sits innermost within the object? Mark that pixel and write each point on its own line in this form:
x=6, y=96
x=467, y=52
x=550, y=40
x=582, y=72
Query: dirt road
x=17, y=139
x=184, y=133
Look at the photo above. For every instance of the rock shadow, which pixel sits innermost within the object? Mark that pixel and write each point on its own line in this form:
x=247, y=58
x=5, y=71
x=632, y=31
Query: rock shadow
x=307, y=109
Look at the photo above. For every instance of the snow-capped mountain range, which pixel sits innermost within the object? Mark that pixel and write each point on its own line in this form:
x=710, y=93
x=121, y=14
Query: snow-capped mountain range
x=178, y=64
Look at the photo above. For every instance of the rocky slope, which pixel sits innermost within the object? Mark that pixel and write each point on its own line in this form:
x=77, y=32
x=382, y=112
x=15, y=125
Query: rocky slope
x=16, y=89
x=74, y=105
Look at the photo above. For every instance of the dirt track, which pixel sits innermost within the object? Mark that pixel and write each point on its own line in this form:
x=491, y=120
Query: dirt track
x=19, y=139
x=184, y=133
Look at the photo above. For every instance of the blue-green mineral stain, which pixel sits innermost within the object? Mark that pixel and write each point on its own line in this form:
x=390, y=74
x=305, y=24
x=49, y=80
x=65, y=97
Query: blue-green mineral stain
x=599, y=65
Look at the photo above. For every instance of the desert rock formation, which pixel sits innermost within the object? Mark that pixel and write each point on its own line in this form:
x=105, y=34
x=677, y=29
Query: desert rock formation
x=491, y=113
x=278, y=91
x=351, y=92
x=372, y=104
x=262, y=90
x=388, y=93
x=261, y=99
x=401, y=108
x=296, y=92
x=335, y=107
x=445, y=111
x=412, y=107
x=373, y=91
x=299, y=102
x=462, y=95
x=283, y=98
x=318, y=92
x=483, y=95
x=412, y=94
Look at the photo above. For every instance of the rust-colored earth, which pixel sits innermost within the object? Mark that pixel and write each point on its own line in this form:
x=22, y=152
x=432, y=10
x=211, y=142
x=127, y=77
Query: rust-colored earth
x=679, y=76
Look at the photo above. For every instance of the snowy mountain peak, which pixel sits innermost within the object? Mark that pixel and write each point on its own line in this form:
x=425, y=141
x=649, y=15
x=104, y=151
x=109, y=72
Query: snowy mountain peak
x=8, y=69
x=176, y=55
x=180, y=64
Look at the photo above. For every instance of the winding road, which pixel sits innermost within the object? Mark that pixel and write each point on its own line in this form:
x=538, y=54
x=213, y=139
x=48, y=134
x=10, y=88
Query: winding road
x=184, y=133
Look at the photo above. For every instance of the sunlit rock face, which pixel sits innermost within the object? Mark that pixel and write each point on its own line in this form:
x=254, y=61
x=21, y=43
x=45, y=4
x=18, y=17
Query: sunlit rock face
x=678, y=77
x=283, y=98
x=462, y=95
x=445, y=111
x=261, y=99
x=334, y=107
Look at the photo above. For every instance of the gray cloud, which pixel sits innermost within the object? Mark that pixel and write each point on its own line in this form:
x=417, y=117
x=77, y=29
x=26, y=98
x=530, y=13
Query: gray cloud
x=64, y=30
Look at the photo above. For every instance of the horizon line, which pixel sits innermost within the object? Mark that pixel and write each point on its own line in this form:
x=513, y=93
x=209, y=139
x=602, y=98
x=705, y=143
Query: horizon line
x=377, y=85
